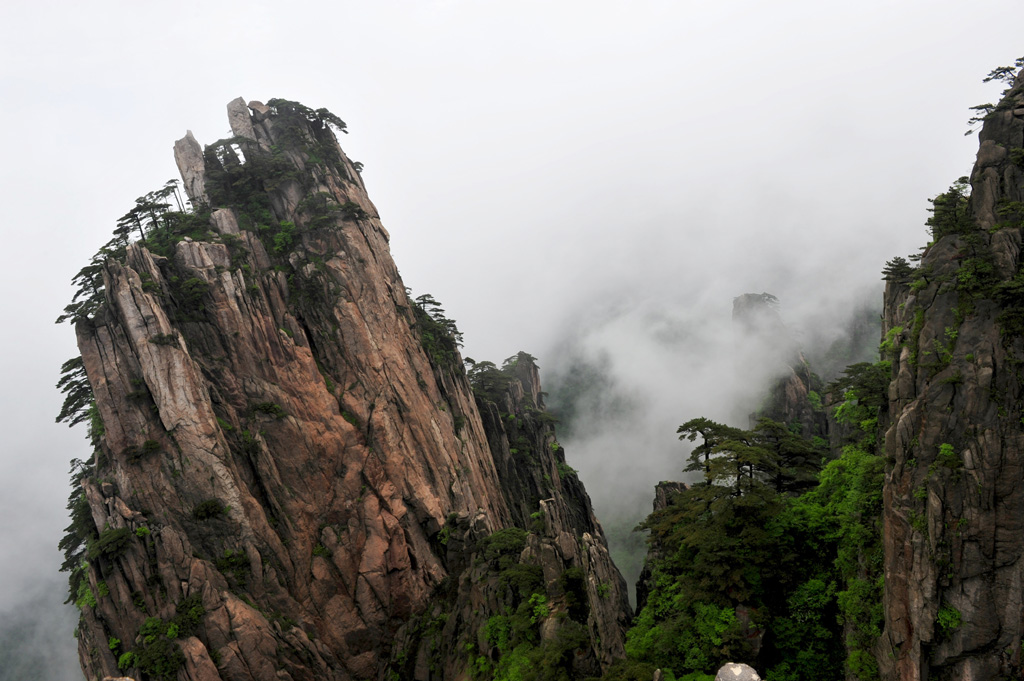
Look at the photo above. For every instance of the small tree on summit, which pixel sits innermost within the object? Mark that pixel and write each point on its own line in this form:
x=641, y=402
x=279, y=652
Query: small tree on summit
x=439, y=336
x=1003, y=74
x=488, y=381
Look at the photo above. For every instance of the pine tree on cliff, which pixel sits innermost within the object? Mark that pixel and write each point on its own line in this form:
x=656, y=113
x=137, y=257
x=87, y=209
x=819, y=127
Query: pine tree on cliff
x=712, y=435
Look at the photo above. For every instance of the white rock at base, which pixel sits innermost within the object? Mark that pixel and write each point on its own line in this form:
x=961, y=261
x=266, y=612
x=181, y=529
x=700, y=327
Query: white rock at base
x=734, y=671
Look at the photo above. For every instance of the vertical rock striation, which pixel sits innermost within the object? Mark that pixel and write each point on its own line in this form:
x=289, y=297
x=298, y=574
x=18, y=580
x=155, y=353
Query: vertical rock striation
x=563, y=556
x=280, y=457
x=954, y=498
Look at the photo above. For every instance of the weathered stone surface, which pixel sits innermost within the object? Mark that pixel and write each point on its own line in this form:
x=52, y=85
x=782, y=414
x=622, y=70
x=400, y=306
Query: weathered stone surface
x=189, y=157
x=953, y=498
x=198, y=664
x=733, y=671
x=239, y=120
x=224, y=222
x=288, y=387
x=260, y=110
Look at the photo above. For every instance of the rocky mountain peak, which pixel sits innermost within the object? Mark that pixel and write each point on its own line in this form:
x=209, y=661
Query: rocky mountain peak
x=291, y=468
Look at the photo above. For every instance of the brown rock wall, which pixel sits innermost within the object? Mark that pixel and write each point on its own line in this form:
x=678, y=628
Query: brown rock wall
x=276, y=441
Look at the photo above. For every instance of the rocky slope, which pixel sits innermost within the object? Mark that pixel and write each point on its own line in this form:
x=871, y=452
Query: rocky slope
x=555, y=548
x=292, y=473
x=954, y=503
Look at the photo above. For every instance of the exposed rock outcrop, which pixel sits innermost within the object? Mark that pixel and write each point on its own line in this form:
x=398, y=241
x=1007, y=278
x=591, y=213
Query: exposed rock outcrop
x=188, y=156
x=289, y=480
x=734, y=671
x=664, y=491
x=954, y=502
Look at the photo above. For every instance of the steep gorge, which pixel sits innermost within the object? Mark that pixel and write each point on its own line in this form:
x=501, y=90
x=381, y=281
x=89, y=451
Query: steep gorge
x=292, y=477
x=905, y=559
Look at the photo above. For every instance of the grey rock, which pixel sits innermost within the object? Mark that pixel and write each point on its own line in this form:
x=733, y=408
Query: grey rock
x=260, y=110
x=223, y=220
x=665, y=490
x=963, y=392
x=736, y=671
x=188, y=155
x=238, y=119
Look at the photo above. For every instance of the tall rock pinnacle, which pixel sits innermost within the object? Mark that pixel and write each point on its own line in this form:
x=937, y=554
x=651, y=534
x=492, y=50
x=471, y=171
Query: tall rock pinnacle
x=292, y=473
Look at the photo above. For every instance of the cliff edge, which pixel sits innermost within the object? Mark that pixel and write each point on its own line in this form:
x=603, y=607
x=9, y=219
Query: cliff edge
x=954, y=503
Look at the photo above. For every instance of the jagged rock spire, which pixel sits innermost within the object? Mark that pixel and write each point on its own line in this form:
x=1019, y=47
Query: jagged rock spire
x=188, y=155
x=284, y=472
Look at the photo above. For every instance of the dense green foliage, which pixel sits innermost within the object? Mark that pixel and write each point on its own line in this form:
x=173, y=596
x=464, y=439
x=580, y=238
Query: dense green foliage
x=488, y=381
x=898, y=269
x=864, y=388
x=770, y=559
x=949, y=211
x=515, y=633
x=439, y=336
x=158, y=655
x=110, y=544
x=210, y=508
x=1002, y=74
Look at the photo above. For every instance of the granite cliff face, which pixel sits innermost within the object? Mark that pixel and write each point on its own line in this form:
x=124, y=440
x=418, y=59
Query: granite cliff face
x=954, y=503
x=293, y=478
x=563, y=554
x=664, y=491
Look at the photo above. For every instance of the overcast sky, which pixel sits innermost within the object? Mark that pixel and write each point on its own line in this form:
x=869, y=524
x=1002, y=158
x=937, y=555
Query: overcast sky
x=584, y=175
